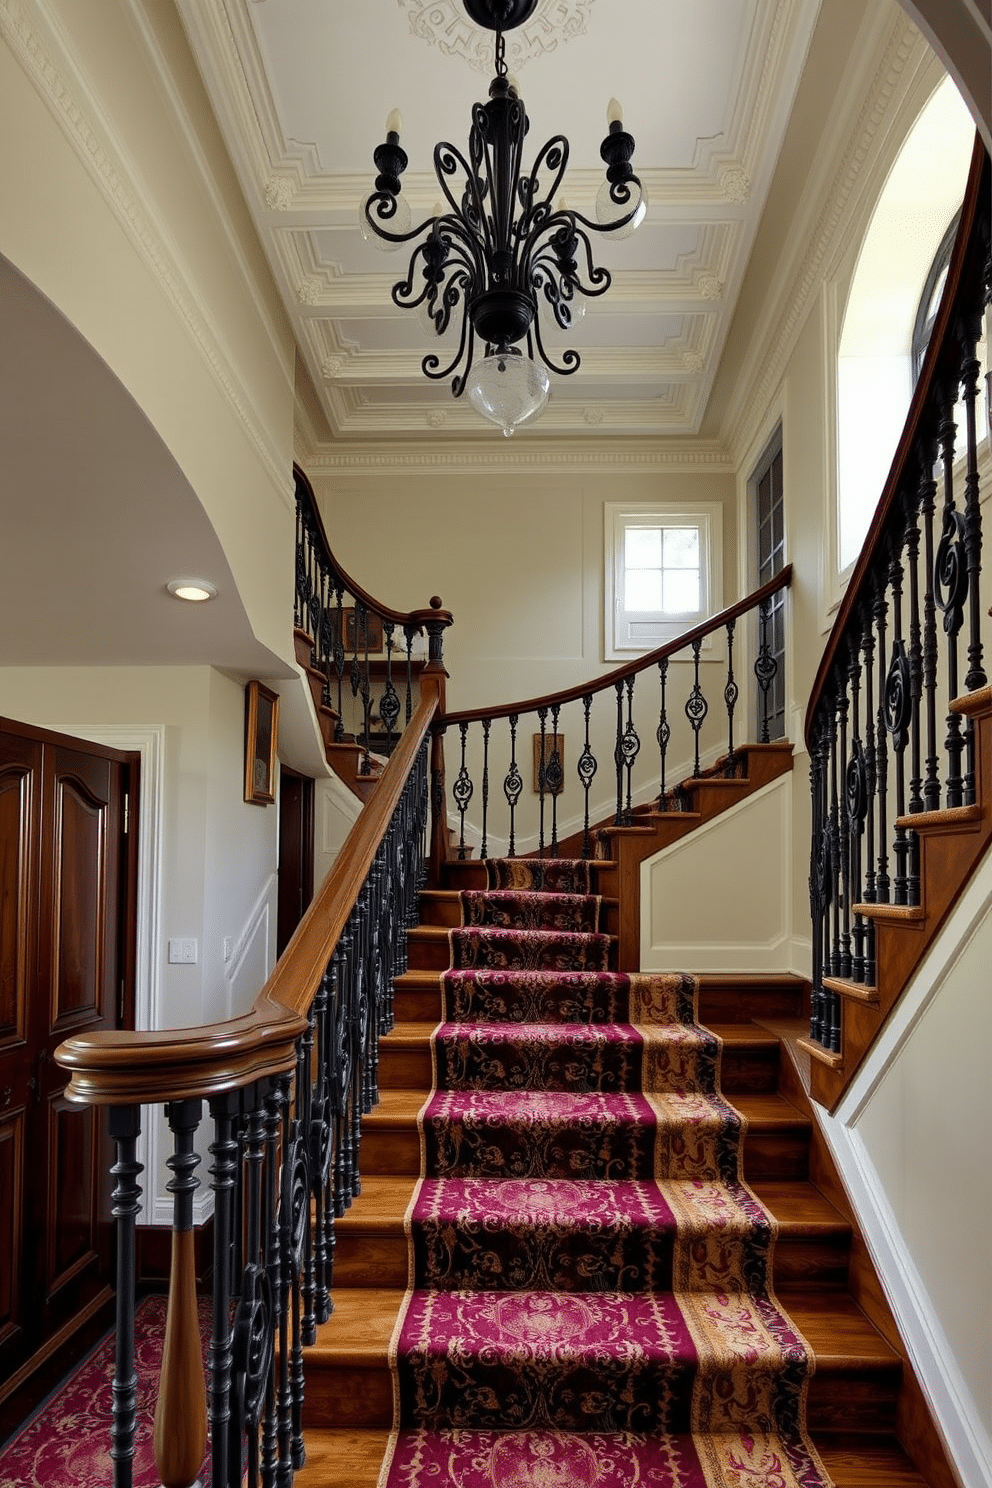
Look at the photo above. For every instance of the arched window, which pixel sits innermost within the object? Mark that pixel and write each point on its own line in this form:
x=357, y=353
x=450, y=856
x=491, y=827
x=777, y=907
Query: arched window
x=883, y=321
x=933, y=289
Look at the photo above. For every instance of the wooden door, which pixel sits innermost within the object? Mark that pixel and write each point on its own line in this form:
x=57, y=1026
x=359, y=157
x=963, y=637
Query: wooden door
x=66, y=967
x=295, y=853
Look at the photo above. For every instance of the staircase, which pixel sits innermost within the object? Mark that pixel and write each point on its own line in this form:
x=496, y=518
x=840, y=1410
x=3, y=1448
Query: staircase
x=861, y=1398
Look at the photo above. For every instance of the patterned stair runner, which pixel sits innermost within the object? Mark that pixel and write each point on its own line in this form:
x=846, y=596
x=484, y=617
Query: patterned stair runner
x=590, y=1301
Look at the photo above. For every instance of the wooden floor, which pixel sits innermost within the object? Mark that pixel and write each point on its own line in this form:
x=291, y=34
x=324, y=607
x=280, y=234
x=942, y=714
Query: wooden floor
x=855, y=1391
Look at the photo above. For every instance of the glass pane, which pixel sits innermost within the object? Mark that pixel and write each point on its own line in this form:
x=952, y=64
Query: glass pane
x=642, y=547
x=681, y=591
x=682, y=547
x=643, y=589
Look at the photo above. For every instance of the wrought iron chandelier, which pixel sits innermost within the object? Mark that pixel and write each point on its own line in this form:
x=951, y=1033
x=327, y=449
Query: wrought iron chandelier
x=502, y=254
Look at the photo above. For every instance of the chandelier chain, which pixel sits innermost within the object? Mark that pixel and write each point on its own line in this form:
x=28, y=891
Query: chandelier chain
x=500, y=54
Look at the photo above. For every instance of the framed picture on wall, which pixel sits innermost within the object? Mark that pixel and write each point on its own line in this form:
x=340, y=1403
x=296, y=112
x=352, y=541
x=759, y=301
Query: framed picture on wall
x=261, y=743
x=355, y=638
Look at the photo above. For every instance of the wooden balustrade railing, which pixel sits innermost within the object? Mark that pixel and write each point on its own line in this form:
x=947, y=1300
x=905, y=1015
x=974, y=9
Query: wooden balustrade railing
x=366, y=652
x=286, y=1086
x=891, y=738
x=637, y=731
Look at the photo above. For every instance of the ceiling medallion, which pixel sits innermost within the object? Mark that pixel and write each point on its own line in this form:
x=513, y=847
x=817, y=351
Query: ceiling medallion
x=503, y=257
x=546, y=25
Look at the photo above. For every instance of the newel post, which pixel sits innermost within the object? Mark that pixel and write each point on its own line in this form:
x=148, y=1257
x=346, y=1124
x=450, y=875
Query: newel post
x=432, y=679
x=181, y=1409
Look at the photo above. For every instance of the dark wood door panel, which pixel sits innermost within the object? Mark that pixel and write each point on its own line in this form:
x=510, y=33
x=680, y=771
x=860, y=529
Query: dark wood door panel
x=12, y=1163
x=73, y=1150
x=18, y=833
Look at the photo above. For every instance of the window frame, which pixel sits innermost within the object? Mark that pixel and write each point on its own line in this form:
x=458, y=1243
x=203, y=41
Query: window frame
x=620, y=642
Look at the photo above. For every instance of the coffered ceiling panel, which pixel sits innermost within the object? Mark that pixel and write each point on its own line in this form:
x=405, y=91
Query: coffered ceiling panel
x=301, y=89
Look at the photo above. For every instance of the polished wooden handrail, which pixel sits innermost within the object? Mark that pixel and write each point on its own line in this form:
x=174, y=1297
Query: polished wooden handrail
x=120, y=1067
x=416, y=618
x=938, y=362
x=631, y=668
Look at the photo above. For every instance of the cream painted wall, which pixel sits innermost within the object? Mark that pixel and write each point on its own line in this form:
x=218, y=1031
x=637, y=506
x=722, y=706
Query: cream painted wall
x=217, y=854
x=160, y=270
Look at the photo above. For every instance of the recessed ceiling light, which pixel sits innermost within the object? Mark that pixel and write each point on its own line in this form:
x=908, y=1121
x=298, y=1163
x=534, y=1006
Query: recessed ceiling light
x=195, y=590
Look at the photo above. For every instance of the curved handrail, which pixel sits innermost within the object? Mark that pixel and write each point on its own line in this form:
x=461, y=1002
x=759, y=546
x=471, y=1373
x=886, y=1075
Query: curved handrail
x=416, y=618
x=939, y=362
x=123, y=1067
x=631, y=668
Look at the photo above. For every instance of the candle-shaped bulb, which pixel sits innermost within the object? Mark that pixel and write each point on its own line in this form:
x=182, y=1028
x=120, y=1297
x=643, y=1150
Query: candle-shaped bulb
x=614, y=113
x=394, y=124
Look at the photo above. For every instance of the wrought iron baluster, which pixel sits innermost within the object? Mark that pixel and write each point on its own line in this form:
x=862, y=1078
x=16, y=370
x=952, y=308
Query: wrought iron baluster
x=834, y=962
x=542, y=773
x=730, y=695
x=664, y=733
x=273, y=1268
x=696, y=707
x=300, y=567
x=928, y=506
x=513, y=783
x=409, y=631
x=857, y=811
x=223, y=1174
x=586, y=768
x=125, y=1127
x=618, y=755
x=630, y=748
x=843, y=830
x=898, y=716
x=882, y=883
x=969, y=332
x=555, y=777
x=819, y=884
x=389, y=703
x=318, y=1281
x=462, y=790
x=338, y=653
x=950, y=593
x=765, y=666
x=486, y=726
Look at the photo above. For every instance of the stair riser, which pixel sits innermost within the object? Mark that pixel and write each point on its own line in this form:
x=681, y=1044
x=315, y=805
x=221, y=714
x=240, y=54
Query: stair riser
x=446, y=913
x=374, y=1261
x=743, y=1072
x=841, y=1399
x=730, y=1005
x=433, y=953
x=768, y=1153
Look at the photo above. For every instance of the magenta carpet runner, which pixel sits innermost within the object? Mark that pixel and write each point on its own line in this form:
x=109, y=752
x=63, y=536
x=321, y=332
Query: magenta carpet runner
x=590, y=1302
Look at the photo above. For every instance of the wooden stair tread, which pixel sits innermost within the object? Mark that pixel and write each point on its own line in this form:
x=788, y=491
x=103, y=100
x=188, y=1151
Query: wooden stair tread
x=402, y=1106
x=413, y=1033
x=352, y=1459
x=838, y=1332
x=799, y=1207
x=358, y=1330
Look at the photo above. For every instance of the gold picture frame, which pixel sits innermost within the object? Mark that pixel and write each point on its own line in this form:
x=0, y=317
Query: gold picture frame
x=261, y=743
x=354, y=640
x=550, y=742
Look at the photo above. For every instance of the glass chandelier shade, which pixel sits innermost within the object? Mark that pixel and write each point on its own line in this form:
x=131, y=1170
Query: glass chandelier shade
x=497, y=260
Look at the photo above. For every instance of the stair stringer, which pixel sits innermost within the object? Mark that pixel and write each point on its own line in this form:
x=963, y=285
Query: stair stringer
x=925, y=1323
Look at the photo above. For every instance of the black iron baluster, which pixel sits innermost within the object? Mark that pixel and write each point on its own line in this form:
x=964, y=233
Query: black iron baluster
x=300, y=561
x=843, y=829
x=223, y=1173
x=282, y=1272
x=664, y=733
x=555, y=777
x=857, y=810
x=409, y=631
x=272, y=1266
x=586, y=768
x=318, y=1278
x=618, y=755
x=513, y=783
x=765, y=665
x=362, y=617
x=125, y=1127
x=389, y=703
x=950, y=592
x=969, y=333
x=880, y=611
x=871, y=784
x=542, y=773
x=338, y=654
x=834, y=840
x=898, y=713
x=630, y=748
x=462, y=790
x=486, y=726
x=928, y=506
x=696, y=707
x=730, y=695
x=819, y=886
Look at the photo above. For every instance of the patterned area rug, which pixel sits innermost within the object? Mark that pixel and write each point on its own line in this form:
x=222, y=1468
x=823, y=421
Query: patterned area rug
x=591, y=1302
x=67, y=1442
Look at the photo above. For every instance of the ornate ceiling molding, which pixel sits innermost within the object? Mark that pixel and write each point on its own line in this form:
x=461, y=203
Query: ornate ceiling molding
x=525, y=456
x=444, y=24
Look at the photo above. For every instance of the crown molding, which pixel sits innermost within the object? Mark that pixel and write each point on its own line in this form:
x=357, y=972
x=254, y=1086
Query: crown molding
x=39, y=43
x=522, y=456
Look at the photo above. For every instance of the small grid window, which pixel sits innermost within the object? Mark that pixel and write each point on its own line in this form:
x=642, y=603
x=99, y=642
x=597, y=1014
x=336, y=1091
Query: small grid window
x=662, y=574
